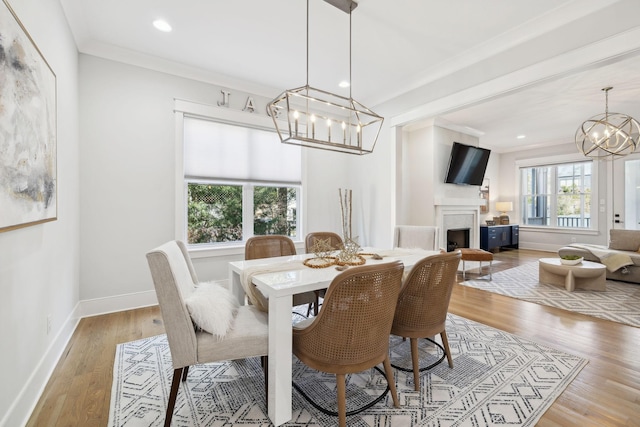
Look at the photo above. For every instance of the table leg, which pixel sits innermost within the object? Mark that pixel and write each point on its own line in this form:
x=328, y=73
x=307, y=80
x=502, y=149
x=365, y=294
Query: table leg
x=280, y=359
x=236, y=286
x=570, y=281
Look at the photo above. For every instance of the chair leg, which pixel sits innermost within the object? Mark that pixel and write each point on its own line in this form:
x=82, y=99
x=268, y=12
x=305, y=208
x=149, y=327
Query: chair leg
x=392, y=383
x=316, y=304
x=463, y=272
x=173, y=394
x=342, y=400
x=185, y=371
x=264, y=361
x=445, y=343
x=416, y=366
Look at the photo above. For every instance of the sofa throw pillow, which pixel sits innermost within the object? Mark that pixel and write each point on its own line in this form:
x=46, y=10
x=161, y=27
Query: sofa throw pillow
x=624, y=240
x=212, y=308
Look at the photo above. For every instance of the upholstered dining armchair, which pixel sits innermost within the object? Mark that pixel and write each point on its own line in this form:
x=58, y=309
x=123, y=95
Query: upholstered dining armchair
x=203, y=322
x=416, y=236
x=351, y=332
x=423, y=304
x=258, y=247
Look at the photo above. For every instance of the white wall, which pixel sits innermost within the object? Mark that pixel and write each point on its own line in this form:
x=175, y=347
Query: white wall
x=128, y=178
x=39, y=265
x=372, y=179
x=422, y=169
x=418, y=175
x=493, y=175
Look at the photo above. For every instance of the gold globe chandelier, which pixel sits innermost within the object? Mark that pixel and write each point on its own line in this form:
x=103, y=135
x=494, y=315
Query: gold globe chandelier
x=317, y=118
x=608, y=134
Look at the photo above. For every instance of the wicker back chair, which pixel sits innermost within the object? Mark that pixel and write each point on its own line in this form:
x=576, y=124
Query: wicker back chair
x=423, y=304
x=335, y=241
x=268, y=246
x=351, y=332
x=258, y=247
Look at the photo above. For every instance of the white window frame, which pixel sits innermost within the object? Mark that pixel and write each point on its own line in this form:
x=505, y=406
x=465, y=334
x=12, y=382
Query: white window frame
x=247, y=207
x=184, y=109
x=554, y=161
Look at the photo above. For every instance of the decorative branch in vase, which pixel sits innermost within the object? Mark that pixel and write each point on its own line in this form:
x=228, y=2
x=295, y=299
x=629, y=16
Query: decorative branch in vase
x=348, y=254
x=345, y=210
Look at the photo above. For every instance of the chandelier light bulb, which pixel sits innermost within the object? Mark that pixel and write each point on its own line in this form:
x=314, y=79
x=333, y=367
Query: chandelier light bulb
x=313, y=126
x=296, y=115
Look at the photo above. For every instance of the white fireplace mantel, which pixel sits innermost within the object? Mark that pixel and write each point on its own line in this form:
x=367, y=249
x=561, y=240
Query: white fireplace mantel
x=459, y=201
x=458, y=213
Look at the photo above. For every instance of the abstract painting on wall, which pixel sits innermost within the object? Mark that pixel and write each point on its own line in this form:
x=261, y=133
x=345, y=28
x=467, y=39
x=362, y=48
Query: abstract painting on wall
x=28, y=163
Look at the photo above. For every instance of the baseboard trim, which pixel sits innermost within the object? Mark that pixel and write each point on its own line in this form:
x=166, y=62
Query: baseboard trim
x=27, y=399
x=541, y=247
x=98, y=306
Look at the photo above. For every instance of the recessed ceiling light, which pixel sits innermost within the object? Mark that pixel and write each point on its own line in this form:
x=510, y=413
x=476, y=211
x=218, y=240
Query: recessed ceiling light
x=344, y=83
x=162, y=25
x=521, y=136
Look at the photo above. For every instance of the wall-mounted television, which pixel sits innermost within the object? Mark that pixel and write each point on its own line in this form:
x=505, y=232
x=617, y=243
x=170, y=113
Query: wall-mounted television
x=467, y=164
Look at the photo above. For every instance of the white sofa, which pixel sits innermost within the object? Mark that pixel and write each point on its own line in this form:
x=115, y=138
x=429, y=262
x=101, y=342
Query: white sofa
x=621, y=256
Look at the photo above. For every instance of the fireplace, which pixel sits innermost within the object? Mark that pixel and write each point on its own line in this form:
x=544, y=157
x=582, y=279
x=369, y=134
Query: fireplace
x=458, y=214
x=457, y=238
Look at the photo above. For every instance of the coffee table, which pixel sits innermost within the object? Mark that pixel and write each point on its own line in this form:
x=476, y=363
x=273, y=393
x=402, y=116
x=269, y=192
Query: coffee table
x=587, y=275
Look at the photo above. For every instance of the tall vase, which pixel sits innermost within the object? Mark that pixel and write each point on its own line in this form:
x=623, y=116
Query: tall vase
x=345, y=210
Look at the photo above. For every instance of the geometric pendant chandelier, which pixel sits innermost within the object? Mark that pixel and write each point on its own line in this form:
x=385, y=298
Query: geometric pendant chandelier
x=315, y=118
x=608, y=134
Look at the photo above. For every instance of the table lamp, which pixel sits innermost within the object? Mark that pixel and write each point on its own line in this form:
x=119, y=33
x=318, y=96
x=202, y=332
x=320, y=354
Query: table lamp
x=504, y=207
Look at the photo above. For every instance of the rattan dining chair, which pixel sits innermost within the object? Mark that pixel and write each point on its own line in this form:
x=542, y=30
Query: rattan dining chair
x=175, y=283
x=423, y=304
x=269, y=246
x=351, y=332
x=333, y=239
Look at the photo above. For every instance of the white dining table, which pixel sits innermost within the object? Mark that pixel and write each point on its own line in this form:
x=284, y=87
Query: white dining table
x=279, y=278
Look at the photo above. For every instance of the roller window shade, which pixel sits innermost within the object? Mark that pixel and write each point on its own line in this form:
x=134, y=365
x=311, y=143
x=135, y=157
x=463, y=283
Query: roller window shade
x=224, y=151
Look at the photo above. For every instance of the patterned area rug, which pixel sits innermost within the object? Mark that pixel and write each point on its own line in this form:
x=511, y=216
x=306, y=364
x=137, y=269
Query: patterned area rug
x=497, y=379
x=619, y=303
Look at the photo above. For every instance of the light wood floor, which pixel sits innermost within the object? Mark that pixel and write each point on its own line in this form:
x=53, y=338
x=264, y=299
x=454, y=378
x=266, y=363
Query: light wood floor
x=605, y=393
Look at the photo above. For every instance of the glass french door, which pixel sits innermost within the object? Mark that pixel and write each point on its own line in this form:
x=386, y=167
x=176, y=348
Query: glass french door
x=626, y=192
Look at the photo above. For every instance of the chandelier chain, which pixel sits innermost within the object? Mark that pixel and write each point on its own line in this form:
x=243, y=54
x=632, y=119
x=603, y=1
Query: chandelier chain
x=606, y=101
x=350, y=80
x=307, y=42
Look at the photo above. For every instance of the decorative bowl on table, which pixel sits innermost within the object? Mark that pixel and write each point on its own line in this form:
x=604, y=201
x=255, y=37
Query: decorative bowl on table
x=571, y=260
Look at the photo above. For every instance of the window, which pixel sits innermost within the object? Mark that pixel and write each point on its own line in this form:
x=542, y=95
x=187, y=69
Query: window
x=557, y=195
x=239, y=182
